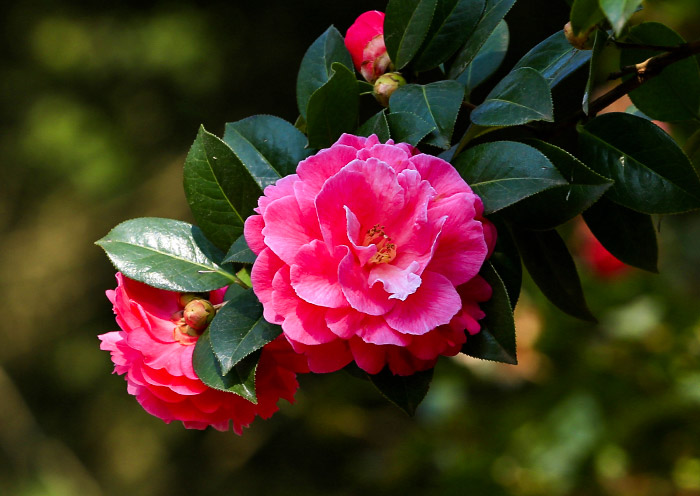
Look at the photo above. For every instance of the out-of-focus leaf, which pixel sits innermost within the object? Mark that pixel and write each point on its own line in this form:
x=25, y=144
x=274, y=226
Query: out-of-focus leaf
x=240, y=252
x=487, y=60
x=406, y=392
x=618, y=12
x=405, y=27
x=599, y=40
x=407, y=127
x=377, y=124
x=585, y=14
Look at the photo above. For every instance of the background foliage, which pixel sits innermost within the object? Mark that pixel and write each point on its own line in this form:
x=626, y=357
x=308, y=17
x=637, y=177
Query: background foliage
x=98, y=111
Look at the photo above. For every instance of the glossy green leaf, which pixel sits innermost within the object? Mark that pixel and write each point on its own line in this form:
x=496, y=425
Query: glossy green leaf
x=240, y=380
x=240, y=252
x=494, y=12
x=618, y=12
x=554, y=58
x=505, y=260
x=166, y=254
x=505, y=172
x=627, y=234
x=520, y=97
x=219, y=189
x=453, y=22
x=672, y=95
x=585, y=14
x=487, y=60
x=436, y=103
x=239, y=329
x=549, y=262
x=560, y=204
x=269, y=147
x=599, y=41
x=407, y=127
x=333, y=108
x=405, y=27
x=377, y=124
x=652, y=175
x=316, y=66
x=496, y=339
x=406, y=392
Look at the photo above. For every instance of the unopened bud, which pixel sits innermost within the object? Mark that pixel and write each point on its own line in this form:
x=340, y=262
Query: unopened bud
x=198, y=313
x=582, y=40
x=184, y=334
x=385, y=86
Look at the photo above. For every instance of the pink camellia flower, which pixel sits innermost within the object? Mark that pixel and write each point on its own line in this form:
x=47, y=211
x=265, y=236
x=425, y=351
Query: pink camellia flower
x=155, y=353
x=365, y=42
x=371, y=252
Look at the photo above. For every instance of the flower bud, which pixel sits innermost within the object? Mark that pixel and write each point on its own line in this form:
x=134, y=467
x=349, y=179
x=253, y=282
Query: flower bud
x=582, y=40
x=185, y=298
x=385, y=86
x=198, y=313
x=365, y=42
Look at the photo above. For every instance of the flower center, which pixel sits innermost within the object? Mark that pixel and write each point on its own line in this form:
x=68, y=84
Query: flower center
x=386, y=250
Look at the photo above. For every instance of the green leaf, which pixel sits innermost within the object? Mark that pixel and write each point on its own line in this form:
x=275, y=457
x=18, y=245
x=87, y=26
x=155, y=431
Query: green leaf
x=505, y=172
x=377, y=124
x=549, y=262
x=520, y=97
x=333, y=108
x=554, y=58
x=405, y=26
x=219, y=189
x=560, y=204
x=406, y=392
x=240, y=252
x=506, y=262
x=487, y=60
x=618, y=12
x=166, y=254
x=269, y=147
x=585, y=14
x=239, y=329
x=496, y=339
x=436, y=103
x=407, y=127
x=240, y=380
x=316, y=66
x=692, y=149
x=453, y=22
x=627, y=234
x=494, y=11
x=652, y=175
x=599, y=41
x=672, y=95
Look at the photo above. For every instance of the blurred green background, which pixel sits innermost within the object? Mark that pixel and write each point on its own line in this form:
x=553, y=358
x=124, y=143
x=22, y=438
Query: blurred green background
x=99, y=107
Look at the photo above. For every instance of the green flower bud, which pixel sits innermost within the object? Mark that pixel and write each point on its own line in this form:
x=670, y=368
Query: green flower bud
x=386, y=85
x=198, y=313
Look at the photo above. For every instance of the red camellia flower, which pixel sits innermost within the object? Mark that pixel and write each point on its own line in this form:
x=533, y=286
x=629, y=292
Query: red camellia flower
x=154, y=350
x=603, y=263
x=371, y=252
x=365, y=42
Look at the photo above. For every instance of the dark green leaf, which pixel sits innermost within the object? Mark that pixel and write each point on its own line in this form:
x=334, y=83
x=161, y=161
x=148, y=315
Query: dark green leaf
x=377, y=124
x=554, y=58
x=219, y=189
x=505, y=172
x=496, y=339
x=405, y=26
x=557, y=205
x=549, y=262
x=674, y=94
x=406, y=392
x=520, y=97
x=652, y=175
x=692, y=149
x=494, y=11
x=618, y=12
x=453, y=22
x=487, y=60
x=506, y=262
x=585, y=14
x=269, y=147
x=166, y=254
x=627, y=234
x=233, y=291
x=599, y=41
x=316, y=66
x=240, y=252
x=240, y=380
x=436, y=103
x=407, y=127
x=239, y=329
x=333, y=108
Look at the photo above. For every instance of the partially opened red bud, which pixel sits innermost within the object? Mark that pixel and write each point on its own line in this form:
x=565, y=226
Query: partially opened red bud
x=365, y=42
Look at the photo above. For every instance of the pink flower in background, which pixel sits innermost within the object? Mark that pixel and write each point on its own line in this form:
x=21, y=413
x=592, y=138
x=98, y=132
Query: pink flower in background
x=365, y=42
x=371, y=252
x=156, y=358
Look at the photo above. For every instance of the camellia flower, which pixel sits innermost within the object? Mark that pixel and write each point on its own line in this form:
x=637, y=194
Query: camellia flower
x=371, y=252
x=603, y=263
x=154, y=350
x=365, y=42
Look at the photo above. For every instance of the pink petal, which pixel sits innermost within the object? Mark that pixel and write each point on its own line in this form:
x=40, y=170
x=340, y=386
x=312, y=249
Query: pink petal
x=314, y=275
x=440, y=174
x=266, y=266
x=252, y=230
x=399, y=283
x=316, y=170
x=363, y=298
x=368, y=357
x=286, y=229
x=344, y=322
x=375, y=330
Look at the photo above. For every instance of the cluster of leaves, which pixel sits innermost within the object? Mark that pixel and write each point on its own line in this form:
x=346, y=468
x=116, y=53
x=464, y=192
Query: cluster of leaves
x=618, y=170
